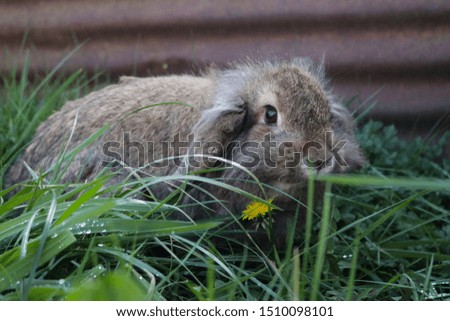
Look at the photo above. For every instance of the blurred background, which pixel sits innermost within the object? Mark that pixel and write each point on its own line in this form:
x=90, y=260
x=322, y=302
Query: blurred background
x=392, y=53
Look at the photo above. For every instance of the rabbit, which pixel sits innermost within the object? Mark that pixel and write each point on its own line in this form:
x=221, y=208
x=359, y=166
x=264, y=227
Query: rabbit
x=276, y=121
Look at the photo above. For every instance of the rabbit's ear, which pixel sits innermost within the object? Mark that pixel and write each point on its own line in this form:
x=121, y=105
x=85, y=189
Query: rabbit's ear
x=221, y=124
x=213, y=134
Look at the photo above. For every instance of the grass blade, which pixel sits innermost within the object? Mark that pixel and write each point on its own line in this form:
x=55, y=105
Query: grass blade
x=13, y=269
x=322, y=245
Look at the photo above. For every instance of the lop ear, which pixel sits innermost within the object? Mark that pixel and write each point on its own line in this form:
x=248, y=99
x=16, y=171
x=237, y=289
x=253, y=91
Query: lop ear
x=221, y=124
x=212, y=135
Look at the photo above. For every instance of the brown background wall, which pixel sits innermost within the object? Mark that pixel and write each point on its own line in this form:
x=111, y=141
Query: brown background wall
x=397, y=52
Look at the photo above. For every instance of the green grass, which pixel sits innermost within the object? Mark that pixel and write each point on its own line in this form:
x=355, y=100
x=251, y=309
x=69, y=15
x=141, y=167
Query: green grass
x=381, y=234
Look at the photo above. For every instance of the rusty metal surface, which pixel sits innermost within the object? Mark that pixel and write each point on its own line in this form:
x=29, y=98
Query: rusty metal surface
x=398, y=49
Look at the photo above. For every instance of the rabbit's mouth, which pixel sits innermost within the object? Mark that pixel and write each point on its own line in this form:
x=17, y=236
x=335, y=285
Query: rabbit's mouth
x=290, y=187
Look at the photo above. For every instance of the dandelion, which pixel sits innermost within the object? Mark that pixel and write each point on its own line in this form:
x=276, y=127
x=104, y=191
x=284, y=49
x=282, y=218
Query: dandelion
x=256, y=209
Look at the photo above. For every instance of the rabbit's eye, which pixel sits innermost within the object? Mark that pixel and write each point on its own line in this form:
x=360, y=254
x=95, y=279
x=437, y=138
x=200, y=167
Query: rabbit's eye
x=271, y=115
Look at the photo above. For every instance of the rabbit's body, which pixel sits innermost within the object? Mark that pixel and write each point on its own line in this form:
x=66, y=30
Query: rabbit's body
x=107, y=106
x=228, y=113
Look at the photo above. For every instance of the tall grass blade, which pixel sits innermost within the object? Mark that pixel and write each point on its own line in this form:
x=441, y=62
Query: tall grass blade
x=322, y=245
x=308, y=232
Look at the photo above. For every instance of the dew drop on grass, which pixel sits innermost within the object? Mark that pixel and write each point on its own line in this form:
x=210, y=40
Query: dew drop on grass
x=101, y=245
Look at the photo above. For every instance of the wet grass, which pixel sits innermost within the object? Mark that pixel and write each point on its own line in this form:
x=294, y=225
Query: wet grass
x=381, y=234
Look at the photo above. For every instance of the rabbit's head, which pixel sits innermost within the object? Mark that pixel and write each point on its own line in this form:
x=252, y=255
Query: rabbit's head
x=280, y=122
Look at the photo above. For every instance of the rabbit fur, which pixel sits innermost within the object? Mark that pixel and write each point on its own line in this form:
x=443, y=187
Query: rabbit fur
x=227, y=114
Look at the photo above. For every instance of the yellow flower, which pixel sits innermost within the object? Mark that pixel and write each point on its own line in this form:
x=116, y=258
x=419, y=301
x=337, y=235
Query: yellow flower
x=256, y=209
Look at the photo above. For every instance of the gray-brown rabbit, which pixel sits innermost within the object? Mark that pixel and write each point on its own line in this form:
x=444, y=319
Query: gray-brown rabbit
x=274, y=119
